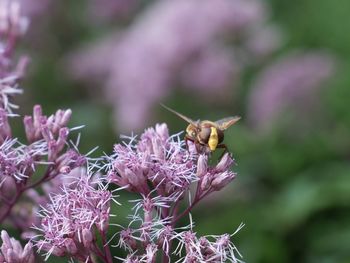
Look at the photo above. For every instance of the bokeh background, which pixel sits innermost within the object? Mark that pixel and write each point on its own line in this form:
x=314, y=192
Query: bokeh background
x=281, y=65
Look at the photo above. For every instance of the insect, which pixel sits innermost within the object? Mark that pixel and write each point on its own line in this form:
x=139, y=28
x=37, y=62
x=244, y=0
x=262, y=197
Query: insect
x=206, y=135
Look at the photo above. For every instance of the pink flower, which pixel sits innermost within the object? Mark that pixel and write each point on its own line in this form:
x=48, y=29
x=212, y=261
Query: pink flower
x=69, y=221
x=19, y=161
x=208, y=248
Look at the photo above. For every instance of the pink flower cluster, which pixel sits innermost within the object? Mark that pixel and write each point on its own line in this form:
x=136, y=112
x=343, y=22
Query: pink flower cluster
x=156, y=158
x=24, y=166
x=61, y=200
x=162, y=160
x=47, y=138
x=165, y=174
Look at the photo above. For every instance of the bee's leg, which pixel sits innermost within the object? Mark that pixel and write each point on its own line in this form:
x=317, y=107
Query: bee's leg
x=199, y=148
x=187, y=138
x=223, y=146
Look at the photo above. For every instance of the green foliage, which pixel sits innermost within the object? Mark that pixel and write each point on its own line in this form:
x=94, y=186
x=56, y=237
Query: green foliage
x=293, y=188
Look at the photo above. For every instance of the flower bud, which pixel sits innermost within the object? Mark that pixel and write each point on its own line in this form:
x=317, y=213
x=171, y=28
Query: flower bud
x=205, y=182
x=224, y=164
x=12, y=252
x=66, y=117
x=158, y=150
x=70, y=246
x=62, y=138
x=5, y=129
x=137, y=180
x=87, y=238
x=202, y=165
x=29, y=128
x=163, y=131
x=27, y=255
x=56, y=251
x=222, y=180
x=37, y=114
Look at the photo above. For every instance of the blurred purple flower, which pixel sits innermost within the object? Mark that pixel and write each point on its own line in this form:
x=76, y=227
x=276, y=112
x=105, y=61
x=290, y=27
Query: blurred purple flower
x=13, y=25
x=106, y=10
x=290, y=83
x=210, y=73
x=169, y=41
x=12, y=22
x=11, y=250
x=262, y=41
x=33, y=8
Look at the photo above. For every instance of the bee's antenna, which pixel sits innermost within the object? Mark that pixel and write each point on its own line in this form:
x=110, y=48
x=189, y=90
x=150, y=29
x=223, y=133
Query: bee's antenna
x=179, y=114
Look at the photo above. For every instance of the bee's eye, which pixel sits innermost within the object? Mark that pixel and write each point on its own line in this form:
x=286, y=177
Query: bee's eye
x=192, y=134
x=204, y=134
x=191, y=131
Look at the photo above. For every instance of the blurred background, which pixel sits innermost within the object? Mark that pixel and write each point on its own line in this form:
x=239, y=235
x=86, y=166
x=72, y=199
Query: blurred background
x=281, y=65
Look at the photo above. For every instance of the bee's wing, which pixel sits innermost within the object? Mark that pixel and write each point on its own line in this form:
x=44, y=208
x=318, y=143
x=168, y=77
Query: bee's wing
x=225, y=123
x=189, y=120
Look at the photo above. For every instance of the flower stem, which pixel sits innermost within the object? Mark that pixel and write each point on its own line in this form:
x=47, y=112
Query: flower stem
x=10, y=206
x=20, y=190
x=165, y=258
x=107, y=251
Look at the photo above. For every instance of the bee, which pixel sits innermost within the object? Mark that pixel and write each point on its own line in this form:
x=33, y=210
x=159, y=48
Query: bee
x=206, y=135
